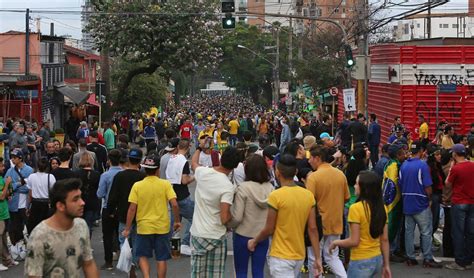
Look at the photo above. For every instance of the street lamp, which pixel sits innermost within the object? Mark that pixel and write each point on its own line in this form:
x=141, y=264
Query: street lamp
x=276, y=74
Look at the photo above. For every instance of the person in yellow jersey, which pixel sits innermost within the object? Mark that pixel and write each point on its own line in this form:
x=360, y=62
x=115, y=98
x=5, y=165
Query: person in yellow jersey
x=291, y=208
x=368, y=239
x=233, y=130
x=424, y=128
x=207, y=131
x=149, y=200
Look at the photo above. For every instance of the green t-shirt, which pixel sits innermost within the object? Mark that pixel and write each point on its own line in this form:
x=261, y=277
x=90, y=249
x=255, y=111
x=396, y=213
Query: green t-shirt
x=4, y=214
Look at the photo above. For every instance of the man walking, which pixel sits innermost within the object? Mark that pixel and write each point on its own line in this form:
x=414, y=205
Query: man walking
x=291, y=209
x=99, y=150
x=109, y=222
x=60, y=245
x=415, y=184
x=214, y=196
x=148, y=204
x=178, y=173
x=374, y=134
x=331, y=191
x=461, y=181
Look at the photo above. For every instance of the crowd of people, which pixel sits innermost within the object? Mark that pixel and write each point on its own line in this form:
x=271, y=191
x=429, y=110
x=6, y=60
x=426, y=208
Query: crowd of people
x=320, y=190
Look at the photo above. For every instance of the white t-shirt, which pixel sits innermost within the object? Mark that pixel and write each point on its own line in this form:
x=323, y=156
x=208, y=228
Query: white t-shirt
x=239, y=174
x=212, y=189
x=205, y=159
x=38, y=183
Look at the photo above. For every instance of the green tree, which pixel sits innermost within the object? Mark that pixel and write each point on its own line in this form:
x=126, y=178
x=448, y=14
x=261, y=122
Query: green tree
x=176, y=35
x=144, y=91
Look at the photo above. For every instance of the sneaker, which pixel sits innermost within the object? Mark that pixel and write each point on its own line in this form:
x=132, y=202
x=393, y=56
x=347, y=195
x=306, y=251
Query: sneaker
x=107, y=266
x=455, y=266
x=12, y=263
x=411, y=262
x=437, y=260
x=185, y=250
x=3, y=268
x=468, y=267
x=431, y=264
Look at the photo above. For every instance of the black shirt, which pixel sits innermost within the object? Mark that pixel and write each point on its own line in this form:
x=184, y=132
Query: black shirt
x=121, y=186
x=90, y=184
x=101, y=154
x=63, y=173
x=182, y=190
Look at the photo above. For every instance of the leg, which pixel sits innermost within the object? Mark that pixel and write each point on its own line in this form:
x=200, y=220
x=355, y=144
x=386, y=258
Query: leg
x=107, y=235
x=198, y=261
x=435, y=208
x=241, y=256
x=161, y=267
x=186, y=210
x=469, y=234
x=281, y=268
x=458, y=218
x=258, y=259
x=447, y=239
x=332, y=259
x=6, y=257
x=311, y=258
x=215, y=261
x=144, y=251
x=423, y=219
x=145, y=267
x=410, y=236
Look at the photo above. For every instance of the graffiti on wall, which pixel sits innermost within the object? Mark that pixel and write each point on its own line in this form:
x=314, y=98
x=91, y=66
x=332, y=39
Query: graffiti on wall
x=446, y=110
x=433, y=79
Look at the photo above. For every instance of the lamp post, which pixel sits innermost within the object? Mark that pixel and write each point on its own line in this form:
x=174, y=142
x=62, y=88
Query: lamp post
x=276, y=72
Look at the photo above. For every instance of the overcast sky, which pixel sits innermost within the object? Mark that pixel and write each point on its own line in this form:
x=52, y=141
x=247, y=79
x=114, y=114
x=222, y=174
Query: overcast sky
x=70, y=24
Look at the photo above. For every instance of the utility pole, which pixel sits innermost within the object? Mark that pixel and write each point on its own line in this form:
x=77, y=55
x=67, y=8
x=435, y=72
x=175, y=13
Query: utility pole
x=362, y=85
x=428, y=22
x=290, y=50
x=277, y=67
x=27, y=43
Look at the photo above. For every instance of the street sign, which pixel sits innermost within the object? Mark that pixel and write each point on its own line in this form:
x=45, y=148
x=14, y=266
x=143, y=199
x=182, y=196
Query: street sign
x=349, y=99
x=447, y=88
x=333, y=91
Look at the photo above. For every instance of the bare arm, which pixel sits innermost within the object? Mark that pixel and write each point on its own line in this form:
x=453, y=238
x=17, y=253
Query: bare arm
x=90, y=269
x=132, y=210
x=350, y=242
x=187, y=179
x=226, y=216
x=4, y=194
x=385, y=248
x=175, y=209
x=195, y=160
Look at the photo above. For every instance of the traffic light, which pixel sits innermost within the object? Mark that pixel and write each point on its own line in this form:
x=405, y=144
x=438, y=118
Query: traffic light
x=228, y=22
x=228, y=7
x=350, y=62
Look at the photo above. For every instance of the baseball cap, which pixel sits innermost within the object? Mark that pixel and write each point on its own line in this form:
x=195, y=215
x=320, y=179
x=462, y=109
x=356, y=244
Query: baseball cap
x=415, y=146
x=135, y=153
x=151, y=162
x=458, y=149
x=270, y=152
x=325, y=135
x=172, y=144
x=17, y=152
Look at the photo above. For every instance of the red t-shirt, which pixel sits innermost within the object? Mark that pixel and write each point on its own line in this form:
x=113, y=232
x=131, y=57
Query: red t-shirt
x=186, y=131
x=461, y=176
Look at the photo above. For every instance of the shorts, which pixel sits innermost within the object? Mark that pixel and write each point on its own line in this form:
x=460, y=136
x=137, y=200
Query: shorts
x=160, y=244
x=283, y=268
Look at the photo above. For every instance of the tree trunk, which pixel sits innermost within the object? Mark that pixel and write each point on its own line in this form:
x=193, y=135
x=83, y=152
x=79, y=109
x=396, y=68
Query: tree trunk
x=105, y=70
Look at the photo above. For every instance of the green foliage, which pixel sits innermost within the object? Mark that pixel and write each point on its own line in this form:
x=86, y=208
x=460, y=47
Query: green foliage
x=145, y=90
x=176, y=35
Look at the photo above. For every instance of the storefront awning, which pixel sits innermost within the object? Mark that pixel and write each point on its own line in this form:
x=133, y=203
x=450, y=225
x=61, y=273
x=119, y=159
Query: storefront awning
x=73, y=95
x=92, y=101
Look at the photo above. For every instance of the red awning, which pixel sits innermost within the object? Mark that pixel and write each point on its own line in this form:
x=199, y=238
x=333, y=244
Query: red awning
x=92, y=101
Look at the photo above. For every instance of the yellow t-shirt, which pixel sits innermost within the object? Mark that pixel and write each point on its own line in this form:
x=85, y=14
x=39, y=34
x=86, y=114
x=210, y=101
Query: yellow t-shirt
x=368, y=247
x=293, y=204
x=424, y=129
x=151, y=196
x=140, y=125
x=233, y=127
x=330, y=189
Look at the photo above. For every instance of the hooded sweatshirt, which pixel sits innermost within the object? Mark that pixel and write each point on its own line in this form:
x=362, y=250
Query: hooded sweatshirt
x=249, y=211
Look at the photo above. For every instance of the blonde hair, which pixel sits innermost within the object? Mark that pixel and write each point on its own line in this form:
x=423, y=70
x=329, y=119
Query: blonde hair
x=86, y=160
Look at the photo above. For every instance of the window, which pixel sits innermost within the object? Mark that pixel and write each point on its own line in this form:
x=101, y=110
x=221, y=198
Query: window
x=445, y=25
x=418, y=25
x=406, y=29
x=11, y=64
x=455, y=26
x=441, y=26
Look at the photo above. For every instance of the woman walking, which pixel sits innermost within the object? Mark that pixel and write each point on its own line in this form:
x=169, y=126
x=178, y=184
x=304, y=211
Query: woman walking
x=248, y=216
x=368, y=228
x=39, y=184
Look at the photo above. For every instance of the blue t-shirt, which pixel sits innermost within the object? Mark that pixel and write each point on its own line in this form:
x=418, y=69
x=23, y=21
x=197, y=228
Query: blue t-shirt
x=414, y=178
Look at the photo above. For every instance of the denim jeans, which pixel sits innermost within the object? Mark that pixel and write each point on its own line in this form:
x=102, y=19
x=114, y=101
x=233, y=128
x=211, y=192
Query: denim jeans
x=186, y=210
x=132, y=240
x=435, y=209
x=89, y=218
x=365, y=268
x=424, y=222
x=462, y=231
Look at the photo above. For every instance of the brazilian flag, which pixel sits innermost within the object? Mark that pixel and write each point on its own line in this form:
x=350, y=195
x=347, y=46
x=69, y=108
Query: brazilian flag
x=392, y=197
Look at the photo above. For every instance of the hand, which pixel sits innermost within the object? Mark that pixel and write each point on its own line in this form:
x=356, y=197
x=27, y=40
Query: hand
x=27, y=212
x=386, y=273
x=318, y=267
x=126, y=233
x=251, y=245
x=177, y=226
x=332, y=246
